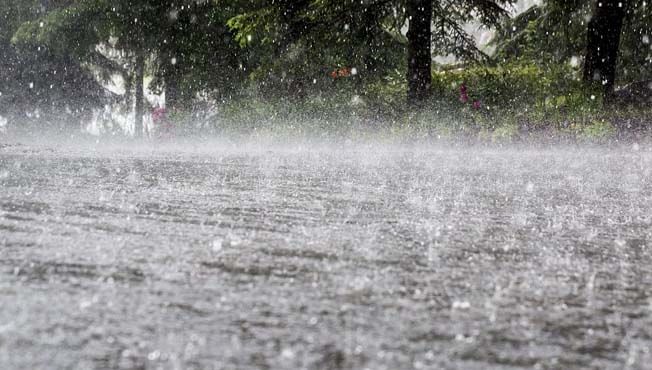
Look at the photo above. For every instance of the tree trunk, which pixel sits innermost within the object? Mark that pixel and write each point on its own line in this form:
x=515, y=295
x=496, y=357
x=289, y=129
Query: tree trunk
x=602, y=44
x=140, y=95
x=419, y=33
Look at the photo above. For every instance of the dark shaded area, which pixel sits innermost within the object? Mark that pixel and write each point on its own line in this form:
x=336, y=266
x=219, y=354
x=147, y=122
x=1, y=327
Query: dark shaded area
x=419, y=51
x=603, y=44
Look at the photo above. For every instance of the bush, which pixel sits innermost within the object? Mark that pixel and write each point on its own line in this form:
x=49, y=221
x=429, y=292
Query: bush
x=515, y=86
x=514, y=100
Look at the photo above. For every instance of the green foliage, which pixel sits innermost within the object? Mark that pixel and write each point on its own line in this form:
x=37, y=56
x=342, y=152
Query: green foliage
x=37, y=84
x=555, y=32
x=62, y=30
x=635, y=62
x=188, y=43
x=324, y=64
x=514, y=98
x=513, y=85
x=598, y=129
x=294, y=45
x=297, y=42
x=207, y=59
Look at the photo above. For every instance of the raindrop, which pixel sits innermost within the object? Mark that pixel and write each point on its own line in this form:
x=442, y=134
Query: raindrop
x=154, y=355
x=217, y=245
x=529, y=187
x=287, y=353
x=574, y=61
x=461, y=305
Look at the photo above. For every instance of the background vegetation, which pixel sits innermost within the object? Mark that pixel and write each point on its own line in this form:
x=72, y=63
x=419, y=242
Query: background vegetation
x=329, y=66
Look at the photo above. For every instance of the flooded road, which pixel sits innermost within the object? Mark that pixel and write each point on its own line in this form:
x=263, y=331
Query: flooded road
x=359, y=258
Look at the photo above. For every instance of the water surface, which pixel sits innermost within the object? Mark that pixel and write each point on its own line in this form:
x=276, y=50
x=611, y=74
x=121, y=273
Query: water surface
x=369, y=257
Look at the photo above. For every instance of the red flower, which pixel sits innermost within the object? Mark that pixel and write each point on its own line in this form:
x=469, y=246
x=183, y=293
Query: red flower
x=341, y=72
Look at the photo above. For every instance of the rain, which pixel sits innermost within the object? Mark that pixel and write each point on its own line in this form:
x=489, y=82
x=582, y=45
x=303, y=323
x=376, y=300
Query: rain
x=325, y=185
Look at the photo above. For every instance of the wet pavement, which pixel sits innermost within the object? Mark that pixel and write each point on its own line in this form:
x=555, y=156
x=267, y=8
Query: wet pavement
x=319, y=258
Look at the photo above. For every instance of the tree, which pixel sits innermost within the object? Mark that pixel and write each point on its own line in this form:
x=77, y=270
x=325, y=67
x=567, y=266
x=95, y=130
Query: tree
x=197, y=53
x=185, y=45
x=368, y=34
x=75, y=28
x=293, y=46
x=37, y=84
x=419, y=69
x=557, y=31
x=635, y=55
x=552, y=32
x=603, y=43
